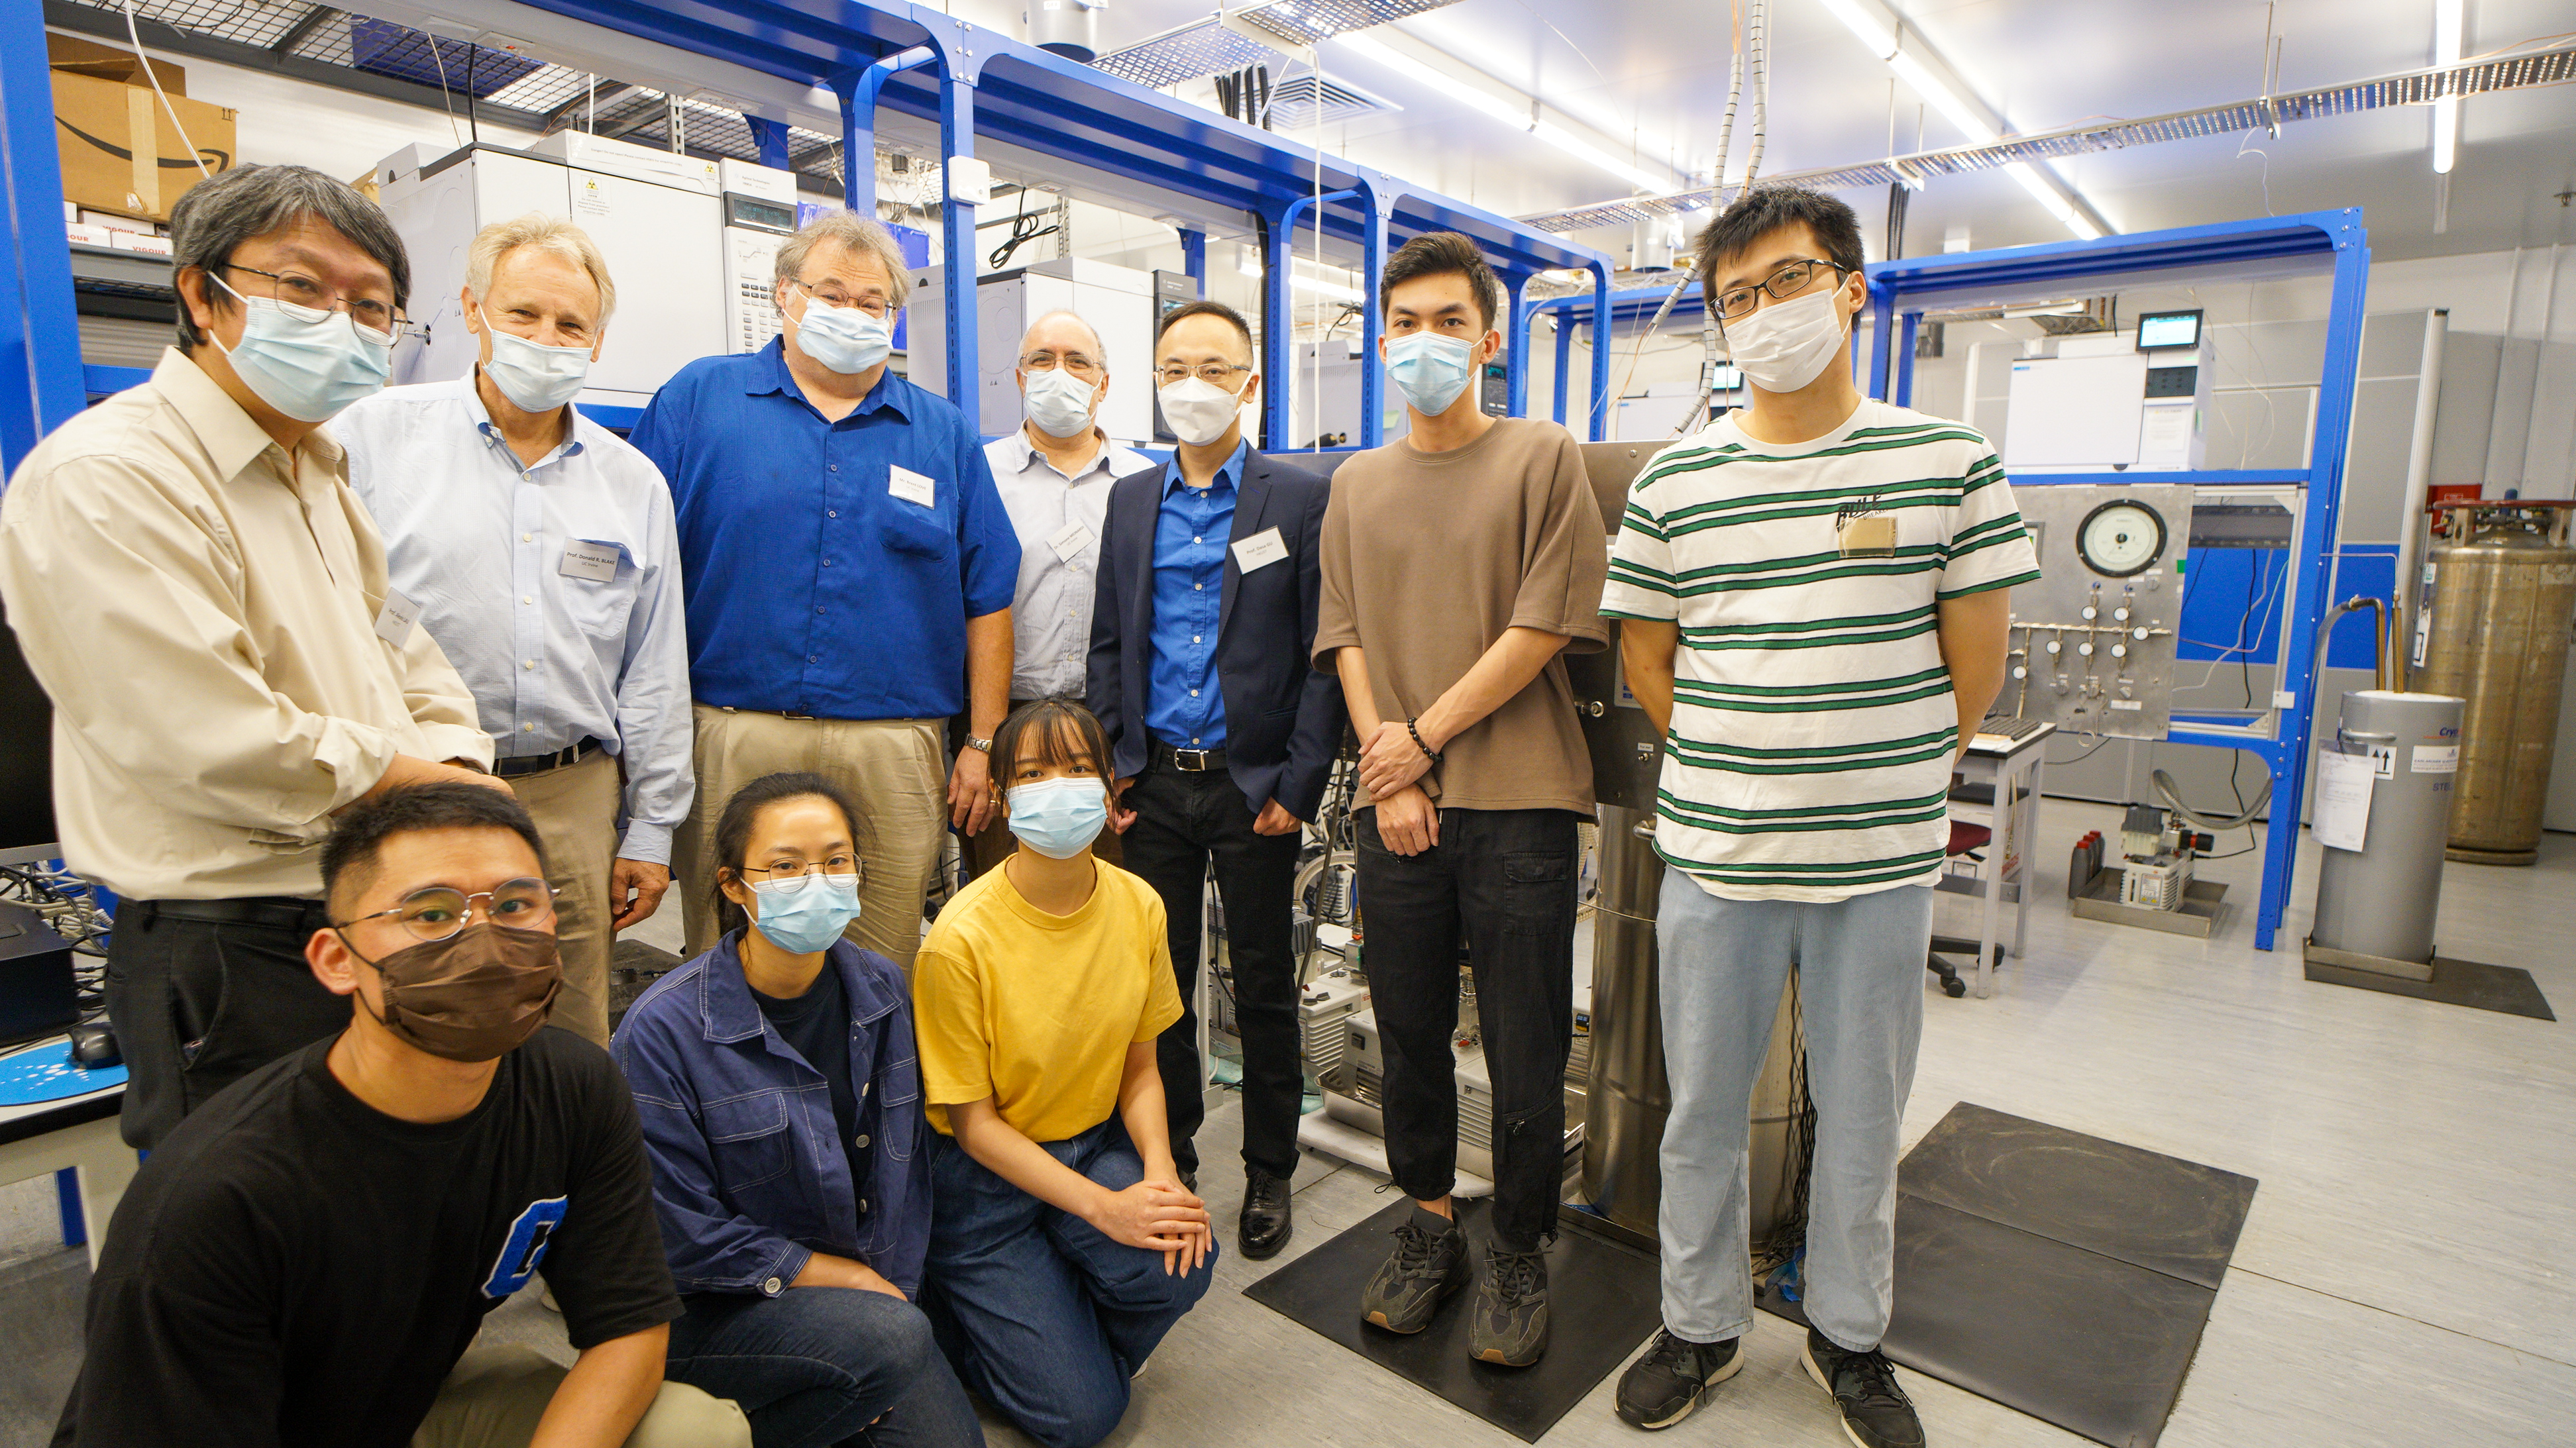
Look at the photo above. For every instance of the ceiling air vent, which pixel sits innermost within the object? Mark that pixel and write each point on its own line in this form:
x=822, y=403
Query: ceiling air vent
x=1302, y=100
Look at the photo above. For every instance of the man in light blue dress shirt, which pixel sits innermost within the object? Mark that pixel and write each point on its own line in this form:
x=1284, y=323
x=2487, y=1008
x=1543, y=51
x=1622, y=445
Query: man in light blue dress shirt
x=539, y=549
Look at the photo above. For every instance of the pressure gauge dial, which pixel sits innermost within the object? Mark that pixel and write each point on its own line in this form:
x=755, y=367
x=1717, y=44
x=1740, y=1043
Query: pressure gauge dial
x=2121, y=539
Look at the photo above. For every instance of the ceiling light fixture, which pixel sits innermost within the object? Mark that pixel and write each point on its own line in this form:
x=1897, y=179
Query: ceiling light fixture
x=1322, y=288
x=2446, y=111
x=1883, y=42
x=1523, y=117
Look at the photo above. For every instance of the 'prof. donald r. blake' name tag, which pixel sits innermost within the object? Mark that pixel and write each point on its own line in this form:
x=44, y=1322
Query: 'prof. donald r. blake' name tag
x=594, y=561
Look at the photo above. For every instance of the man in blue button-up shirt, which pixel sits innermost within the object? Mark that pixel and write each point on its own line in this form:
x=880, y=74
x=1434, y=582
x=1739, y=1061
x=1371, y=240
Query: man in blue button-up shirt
x=850, y=574
x=540, y=550
x=1222, y=733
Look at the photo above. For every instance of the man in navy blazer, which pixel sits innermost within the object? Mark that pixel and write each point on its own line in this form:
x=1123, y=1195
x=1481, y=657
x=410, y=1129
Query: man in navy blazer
x=1222, y=731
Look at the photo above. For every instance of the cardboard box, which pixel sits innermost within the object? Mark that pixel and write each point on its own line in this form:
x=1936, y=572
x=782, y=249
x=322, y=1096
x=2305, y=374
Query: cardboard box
x=110, y=62
x=97, y=121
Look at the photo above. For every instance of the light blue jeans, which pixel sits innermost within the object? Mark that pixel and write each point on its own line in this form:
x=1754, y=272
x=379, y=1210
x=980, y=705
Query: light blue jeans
x=1860, y=981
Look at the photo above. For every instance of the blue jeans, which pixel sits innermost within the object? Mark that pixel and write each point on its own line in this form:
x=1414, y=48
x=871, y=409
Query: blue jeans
x=1040, y=1313
x=815, y=1366
x=1860, y=999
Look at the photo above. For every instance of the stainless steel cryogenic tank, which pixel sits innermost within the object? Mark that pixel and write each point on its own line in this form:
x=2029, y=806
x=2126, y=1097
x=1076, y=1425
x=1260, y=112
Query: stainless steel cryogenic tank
x=2377, y=904
x=1626, y=1098
x=2499, y=593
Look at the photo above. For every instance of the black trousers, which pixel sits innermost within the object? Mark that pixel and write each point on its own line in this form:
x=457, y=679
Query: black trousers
x=1506, y=880
x=1184, y=819
x=196, y=1005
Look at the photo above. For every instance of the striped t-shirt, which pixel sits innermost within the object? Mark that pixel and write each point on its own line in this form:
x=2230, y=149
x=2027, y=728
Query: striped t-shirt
x=1813, y=724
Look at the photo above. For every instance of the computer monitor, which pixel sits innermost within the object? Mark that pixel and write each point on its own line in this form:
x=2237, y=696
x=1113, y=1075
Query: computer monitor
x=2160, y=330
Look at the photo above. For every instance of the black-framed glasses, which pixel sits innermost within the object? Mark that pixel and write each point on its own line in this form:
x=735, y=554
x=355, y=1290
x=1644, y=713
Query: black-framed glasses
x=1786, y=281
x=832, y=296
x=791, y=878
x=308, y=300
x=435, y=912
x=1214, y=374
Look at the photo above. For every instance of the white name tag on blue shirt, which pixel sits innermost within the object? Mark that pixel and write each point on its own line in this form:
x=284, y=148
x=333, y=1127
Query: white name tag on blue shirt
x=910, y=486
x=1070, y=540
x=594, y=561
x=394, y=621
x=1260, y=551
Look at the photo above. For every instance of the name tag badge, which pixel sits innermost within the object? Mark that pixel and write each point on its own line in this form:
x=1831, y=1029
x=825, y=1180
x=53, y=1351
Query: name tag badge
x=394, y=621
x=1869, y=536
x=594, y=561
x=910, y=486
x=1260, y=551
x=1070, y=540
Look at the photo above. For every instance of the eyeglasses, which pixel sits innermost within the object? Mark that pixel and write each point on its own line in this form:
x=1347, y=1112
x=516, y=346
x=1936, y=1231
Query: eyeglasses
x=1073, y=362
x=435, y=912
x=1785, y=281
x=792, y=878
x=1214, y=374
x=307, y=300
x=832, y=296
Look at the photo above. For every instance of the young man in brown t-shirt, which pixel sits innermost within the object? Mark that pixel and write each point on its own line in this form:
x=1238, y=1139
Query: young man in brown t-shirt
x=1458, y=562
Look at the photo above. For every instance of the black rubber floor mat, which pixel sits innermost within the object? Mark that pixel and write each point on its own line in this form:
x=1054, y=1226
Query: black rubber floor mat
x=2146, y=1209
x=1602, y=1298
x=2506, y=988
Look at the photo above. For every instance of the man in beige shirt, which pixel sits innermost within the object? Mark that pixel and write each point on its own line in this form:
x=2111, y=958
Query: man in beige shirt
x=205, y=600
x=1458, y=563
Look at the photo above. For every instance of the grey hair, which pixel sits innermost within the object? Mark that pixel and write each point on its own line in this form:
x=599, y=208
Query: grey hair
x=215, y=216
x=861, y=234
x=1099, y=346
x=554, y=235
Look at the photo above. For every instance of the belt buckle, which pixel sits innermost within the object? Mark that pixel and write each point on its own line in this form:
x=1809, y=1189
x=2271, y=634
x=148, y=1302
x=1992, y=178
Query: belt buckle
x=1190, y=761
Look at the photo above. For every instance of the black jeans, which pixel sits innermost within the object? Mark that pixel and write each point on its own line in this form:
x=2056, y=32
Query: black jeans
x=1507, y=880
x=1183, y=819
x=196, y=1005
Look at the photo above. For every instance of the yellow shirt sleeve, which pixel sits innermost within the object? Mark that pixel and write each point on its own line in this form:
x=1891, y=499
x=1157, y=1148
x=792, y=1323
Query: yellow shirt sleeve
x=949, y=1027
x=1162, y=992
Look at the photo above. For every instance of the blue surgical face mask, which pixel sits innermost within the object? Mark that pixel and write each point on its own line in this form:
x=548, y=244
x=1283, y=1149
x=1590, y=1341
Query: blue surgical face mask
x=535, y=377
x=801, y=915
x=305, y=363
x=1059, y=818
x=1430, y=369
x=843, y=339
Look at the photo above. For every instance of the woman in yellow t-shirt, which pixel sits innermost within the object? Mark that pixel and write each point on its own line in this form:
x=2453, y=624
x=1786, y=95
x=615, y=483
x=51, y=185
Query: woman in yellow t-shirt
x=1062, y=1243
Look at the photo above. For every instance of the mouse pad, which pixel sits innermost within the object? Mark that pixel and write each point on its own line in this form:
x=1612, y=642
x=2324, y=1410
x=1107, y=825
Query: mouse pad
x=44, y=1072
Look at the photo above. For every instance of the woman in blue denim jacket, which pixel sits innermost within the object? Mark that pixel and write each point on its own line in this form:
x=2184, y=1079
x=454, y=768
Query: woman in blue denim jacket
x=781, y=1102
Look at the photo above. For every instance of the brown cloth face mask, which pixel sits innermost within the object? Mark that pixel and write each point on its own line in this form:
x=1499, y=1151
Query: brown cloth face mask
x=473, y=996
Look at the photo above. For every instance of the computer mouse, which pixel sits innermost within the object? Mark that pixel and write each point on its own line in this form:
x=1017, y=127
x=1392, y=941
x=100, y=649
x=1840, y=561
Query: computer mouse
x=94, y=1046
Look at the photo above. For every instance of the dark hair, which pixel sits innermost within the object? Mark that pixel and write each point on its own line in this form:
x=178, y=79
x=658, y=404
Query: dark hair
x=1232, y=318
x=214, y=217
x=357, y=838
x=733, y=831
x=1766, y=209
x=1051, y=721
x=1442, y=253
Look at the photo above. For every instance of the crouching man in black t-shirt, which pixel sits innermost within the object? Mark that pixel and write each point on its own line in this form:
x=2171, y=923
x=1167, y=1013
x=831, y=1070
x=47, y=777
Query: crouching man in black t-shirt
x=306, y=1258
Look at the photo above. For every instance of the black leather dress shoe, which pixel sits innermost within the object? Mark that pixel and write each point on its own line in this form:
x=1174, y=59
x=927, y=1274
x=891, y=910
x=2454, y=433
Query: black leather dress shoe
x=1267, y=1220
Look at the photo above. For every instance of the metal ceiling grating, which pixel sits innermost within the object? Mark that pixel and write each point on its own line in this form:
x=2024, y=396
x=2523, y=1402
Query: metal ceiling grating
x=252, y=22
x=2476, y=77
x=1220, y=42
x=399, y=51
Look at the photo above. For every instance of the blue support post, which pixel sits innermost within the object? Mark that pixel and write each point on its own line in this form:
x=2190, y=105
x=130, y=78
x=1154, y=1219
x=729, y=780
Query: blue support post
x=1380, y=197
x=1602, y=334
x=1882, y=319
x=957, y=264
x=858, y=91
x=1516, y=341
x=39, y=336
x=770, y=138
x=1564, y=323
x=1277, y=351
x=1905, y=360
x=68, y=1207
x=1194, y=257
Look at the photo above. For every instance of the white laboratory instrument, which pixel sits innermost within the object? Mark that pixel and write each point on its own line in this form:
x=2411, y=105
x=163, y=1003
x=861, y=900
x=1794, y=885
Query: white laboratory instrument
x=1117, y=301
x=2112, y=401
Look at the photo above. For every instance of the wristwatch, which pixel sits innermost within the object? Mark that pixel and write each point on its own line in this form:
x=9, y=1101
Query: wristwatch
x=985, y=745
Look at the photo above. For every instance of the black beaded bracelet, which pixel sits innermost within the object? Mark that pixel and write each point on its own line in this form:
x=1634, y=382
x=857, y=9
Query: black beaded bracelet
x=1427, y=751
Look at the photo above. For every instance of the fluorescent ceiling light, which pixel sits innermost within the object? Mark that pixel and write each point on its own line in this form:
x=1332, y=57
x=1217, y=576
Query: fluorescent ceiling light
x=2446, y=111
x=1521, y=117
x=1959, y=110
x=1334, y=290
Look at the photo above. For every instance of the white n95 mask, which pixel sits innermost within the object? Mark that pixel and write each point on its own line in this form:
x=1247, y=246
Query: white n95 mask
x=1059, y=402
x=535, y=377
x=1200, y=411
x=1783, y=346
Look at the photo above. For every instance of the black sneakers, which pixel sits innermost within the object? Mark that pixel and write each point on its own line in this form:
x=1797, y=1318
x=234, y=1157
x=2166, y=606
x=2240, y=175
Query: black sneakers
x=1510, y=1325
x=1263, y=1227
x=1661, y=1388
x=1876, y=1412
x=1428, y=1264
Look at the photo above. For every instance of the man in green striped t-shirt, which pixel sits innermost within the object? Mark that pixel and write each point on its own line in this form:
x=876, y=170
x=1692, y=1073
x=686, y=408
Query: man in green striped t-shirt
x=1814, y=602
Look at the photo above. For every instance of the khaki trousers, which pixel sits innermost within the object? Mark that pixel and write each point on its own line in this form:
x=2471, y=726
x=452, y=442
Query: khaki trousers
x=895, y=772
x=575, y=808
x=497, y=1394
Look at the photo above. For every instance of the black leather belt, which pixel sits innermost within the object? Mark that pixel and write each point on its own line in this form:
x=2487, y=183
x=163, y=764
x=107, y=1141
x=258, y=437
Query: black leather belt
x=275, y=912
x=1190, y=761
x=540, y=763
